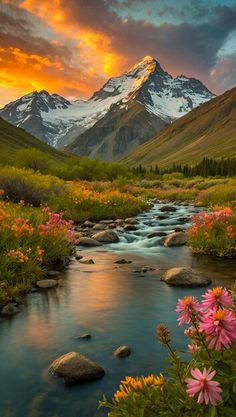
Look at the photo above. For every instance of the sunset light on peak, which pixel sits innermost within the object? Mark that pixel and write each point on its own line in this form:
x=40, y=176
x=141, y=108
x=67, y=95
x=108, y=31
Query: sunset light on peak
x=72, y=47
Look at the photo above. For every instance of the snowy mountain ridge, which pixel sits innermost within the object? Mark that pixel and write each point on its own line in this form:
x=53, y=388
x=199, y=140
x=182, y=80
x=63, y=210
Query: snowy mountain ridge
x=54, y=119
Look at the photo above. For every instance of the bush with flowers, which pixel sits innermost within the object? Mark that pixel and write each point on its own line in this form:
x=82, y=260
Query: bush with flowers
x=205, y=385
x=30, y=240
x=214, y=233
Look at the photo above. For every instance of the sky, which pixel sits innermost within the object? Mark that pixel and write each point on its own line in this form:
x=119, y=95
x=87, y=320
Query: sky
x=71, y=47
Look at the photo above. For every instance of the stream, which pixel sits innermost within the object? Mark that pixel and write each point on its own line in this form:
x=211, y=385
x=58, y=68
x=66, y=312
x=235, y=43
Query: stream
x=113, y=302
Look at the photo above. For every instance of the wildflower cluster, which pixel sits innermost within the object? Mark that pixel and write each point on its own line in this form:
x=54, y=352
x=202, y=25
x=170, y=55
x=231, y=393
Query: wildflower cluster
x=30, y=239
x=203, y=386
x=215, y=232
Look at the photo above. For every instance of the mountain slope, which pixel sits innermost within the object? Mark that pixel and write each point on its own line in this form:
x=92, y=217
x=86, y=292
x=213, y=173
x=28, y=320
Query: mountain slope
x=60, y=122
x=163, y=99
x=209, y=130
x=13, y=139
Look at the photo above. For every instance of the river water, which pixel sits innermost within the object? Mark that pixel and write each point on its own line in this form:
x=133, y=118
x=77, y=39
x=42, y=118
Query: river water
x=112, y=302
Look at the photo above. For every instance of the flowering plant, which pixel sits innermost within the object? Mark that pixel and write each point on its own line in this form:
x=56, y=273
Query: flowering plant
x=205, y=385
x=214, y=233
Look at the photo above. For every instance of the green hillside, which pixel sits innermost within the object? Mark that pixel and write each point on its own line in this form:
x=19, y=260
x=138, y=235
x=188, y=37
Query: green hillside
x=13, y=138
x=207, y=131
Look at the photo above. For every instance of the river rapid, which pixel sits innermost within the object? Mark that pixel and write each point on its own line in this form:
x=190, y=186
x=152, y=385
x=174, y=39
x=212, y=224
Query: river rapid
x=116, y=303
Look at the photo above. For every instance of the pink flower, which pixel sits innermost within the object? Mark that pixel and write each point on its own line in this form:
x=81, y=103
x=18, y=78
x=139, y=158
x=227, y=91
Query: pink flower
x=193, y=348
x=186, y=307
x=217, y=297
x=209, y=391
x=220, y=328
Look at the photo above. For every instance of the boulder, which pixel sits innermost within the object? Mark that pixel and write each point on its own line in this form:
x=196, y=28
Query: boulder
x=185, y=277
x=175, y=239
x=46, y=283
x=86, y=261
x=88, y=241
x=122, y=351
x=167, y=208
x=10, y=309
x=76, y=368
x=106, y=236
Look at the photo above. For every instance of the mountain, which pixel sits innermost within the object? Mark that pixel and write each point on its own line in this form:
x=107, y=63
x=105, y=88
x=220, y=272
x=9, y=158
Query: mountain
x=13, y=139
x=207, y=131
x=138, y=104
x=146, y=95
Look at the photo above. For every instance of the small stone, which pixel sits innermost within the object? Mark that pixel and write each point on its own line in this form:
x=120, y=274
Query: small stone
x=130, y=227
x=156, y=234
x=122, y=261
x=167, y=208
x=87, y=261
x=131, y=220
x=46, y=283
x=88, y=241
x=78, y=256
x=53, y=273
x=85, y=336
x=87, y=223
x=106, y=221
x=99, y=226
x=122, y=351
x=10, y=309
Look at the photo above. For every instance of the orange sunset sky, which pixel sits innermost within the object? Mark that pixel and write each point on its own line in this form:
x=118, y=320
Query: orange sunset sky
x=71, y=47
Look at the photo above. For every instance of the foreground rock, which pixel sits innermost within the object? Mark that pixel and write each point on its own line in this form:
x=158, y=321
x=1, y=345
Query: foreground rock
x=186, y=277
x=106, y=236
x=10, y=309
x=46, y=283
x=88, y=241
x=76, y=368
x=175, y=239
x=122, y=352
x=122, y=261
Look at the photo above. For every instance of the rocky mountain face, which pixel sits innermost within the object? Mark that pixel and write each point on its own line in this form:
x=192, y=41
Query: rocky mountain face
x=127, y=111
x=207, y=131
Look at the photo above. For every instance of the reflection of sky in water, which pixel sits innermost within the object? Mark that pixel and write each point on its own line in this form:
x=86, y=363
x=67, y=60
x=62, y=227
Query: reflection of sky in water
x=114, y=304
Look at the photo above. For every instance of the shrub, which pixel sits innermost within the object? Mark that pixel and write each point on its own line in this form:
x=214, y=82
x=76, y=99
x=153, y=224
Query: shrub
x=203, y=386
x=34, y=159
x=214, y=233
x=219, y=194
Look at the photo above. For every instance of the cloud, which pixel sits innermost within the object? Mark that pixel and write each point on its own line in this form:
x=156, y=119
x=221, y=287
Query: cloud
x=73, y=46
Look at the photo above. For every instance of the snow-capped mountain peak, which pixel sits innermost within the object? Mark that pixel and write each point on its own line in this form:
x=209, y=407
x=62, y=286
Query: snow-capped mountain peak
x=53, y=118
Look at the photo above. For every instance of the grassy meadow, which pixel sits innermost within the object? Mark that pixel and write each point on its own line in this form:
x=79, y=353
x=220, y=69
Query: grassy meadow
x=41, y=200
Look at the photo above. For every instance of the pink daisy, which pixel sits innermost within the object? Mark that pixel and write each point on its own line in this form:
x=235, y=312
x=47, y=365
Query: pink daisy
x=209, y=391
x=193, y=348
x=220, y=328
x=217, y=297
x=186, y=307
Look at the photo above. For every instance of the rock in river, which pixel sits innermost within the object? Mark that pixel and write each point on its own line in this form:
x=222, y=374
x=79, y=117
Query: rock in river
x=88, y=241
x=175, y=239
x=86, y=261
x=106, y=236
x=168, y=208
x=185, y=277
x=10, y=309
x=75, y=368
x=122, y=351
x=46, y=283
